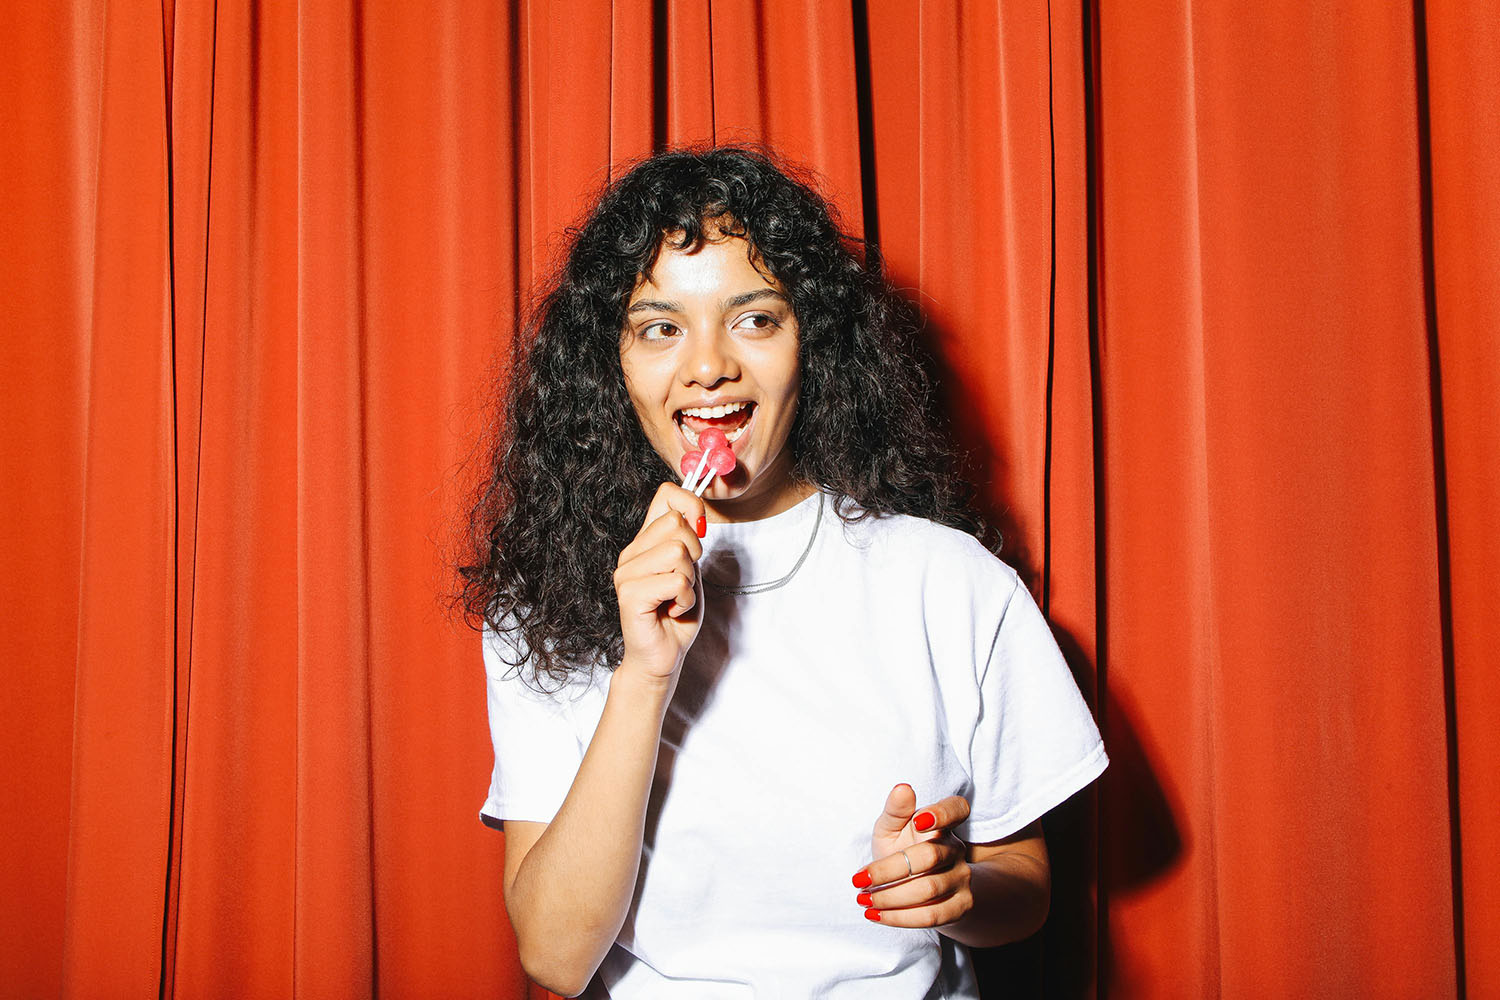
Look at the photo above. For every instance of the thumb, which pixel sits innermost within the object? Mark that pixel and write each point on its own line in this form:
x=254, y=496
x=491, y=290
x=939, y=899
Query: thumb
x=899, y=807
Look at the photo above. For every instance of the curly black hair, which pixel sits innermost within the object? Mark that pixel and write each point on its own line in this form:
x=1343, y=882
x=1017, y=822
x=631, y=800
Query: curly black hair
x=570, y=473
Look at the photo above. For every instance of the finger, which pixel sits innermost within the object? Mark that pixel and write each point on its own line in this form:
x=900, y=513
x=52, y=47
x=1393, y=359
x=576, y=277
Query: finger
x=930, y=855
x=670, y=496
x=668, y=525
x=936, y=914
x=942, y=815
x=919, y=891
x=899, y=805
x=686, y=597
x=645, y=595
x=697, y=590
x=671, y=553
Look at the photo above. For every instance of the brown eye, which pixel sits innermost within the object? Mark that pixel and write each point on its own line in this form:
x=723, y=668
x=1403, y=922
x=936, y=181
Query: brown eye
x=658, y=331
x=758, y=321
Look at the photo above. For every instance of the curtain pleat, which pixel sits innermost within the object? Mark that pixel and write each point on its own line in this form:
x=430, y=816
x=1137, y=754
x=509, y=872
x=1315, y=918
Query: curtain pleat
x=122, y=714
x=47, y=239
x=1154, y=512
x=1212, y=297
x=1457, y=43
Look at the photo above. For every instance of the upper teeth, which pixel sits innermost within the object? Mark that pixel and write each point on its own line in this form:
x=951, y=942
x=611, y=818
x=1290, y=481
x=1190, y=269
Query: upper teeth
x=713, y=411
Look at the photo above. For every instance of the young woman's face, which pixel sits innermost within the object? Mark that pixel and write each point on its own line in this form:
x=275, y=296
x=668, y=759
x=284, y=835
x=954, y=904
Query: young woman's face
x=711, y=341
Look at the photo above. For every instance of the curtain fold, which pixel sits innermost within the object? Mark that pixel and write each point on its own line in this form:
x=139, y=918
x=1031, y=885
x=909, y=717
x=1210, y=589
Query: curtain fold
x=122, y=720
x=1212, y=296
x=1462, y=114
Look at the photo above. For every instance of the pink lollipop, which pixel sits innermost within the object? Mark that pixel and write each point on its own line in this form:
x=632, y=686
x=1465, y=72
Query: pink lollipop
x=693, y=464
x=713, y=438
x=721, y=460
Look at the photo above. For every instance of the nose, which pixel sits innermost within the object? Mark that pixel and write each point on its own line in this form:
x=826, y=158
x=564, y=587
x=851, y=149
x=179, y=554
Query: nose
x=709, y=359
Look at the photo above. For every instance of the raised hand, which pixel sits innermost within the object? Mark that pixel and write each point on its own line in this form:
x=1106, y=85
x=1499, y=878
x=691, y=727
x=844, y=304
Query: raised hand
x=656, y=582
x=919, y=877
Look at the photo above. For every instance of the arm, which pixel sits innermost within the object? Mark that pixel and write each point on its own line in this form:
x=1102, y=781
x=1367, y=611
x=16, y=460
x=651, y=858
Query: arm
x=1010, y=882
x=568, y=883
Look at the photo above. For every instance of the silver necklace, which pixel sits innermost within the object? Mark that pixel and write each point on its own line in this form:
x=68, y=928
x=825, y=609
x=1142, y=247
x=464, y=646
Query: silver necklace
x=761, y=588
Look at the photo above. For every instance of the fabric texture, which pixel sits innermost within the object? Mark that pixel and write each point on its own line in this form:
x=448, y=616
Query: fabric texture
x=901, y=651
x=1212, y=290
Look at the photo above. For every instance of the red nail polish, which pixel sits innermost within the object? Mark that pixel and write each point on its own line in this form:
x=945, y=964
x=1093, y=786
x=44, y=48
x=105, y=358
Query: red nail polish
x=863, y=899
x=702, y=526
x=861, y=879
x=923, y=821
x=872, y=914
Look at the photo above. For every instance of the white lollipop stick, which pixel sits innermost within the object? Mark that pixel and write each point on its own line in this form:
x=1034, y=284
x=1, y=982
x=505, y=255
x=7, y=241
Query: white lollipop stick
x=692, y=480
x=720, y=461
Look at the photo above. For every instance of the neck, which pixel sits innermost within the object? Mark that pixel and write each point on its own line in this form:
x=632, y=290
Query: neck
x=756, y=505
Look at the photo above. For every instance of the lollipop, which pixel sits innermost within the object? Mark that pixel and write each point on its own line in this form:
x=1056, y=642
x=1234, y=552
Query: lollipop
x=716, y=456
x=692, y=466
x=711, y=438
x=721, y=462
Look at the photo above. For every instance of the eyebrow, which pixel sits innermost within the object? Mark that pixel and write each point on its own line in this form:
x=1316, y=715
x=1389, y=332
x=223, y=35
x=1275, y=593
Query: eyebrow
x=733, y=302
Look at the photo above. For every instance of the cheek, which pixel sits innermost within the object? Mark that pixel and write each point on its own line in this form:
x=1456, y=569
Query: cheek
x=793, y=392
x=637, y=387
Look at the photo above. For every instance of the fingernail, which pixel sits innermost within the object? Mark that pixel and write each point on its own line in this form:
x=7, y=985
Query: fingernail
x=872, y=914
x=863, y=899
x=924, y=821
x=861, y=879
x=702, y=526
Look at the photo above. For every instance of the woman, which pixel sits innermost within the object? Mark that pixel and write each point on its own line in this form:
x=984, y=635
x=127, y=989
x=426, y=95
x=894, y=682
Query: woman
x=711, y=716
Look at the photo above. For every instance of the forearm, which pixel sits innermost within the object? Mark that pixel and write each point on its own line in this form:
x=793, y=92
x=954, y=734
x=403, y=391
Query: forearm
x=1011, y=896
x=572, y=890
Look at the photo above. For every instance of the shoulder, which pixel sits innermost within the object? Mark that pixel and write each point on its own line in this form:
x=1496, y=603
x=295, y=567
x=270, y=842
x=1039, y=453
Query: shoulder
x=939, y=556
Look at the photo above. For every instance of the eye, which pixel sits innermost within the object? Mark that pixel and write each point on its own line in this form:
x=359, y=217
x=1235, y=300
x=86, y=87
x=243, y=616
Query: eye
x=757, y=321
x=660, y=330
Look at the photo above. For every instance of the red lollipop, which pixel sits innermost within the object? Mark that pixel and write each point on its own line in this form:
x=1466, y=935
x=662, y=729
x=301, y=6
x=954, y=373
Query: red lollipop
x=721, y=460
x=689, y=463
x=712, y=438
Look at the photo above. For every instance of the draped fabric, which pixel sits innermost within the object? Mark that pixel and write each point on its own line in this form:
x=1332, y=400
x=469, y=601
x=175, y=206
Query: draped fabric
x=1213, y=298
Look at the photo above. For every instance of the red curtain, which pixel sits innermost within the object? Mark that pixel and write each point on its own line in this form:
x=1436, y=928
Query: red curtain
x=1214, y=296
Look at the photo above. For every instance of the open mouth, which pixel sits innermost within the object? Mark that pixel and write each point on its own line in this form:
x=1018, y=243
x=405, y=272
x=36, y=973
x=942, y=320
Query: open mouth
x=731, y=418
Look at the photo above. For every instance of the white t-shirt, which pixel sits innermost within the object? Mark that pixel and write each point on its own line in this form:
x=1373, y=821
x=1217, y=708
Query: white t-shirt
x=900, y=651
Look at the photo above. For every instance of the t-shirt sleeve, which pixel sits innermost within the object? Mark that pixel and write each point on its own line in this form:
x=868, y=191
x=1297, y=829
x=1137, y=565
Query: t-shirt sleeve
x=1034, y=742
x=537, y=749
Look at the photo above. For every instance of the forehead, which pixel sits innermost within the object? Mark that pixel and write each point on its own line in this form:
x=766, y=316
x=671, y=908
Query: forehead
x=718, y=266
